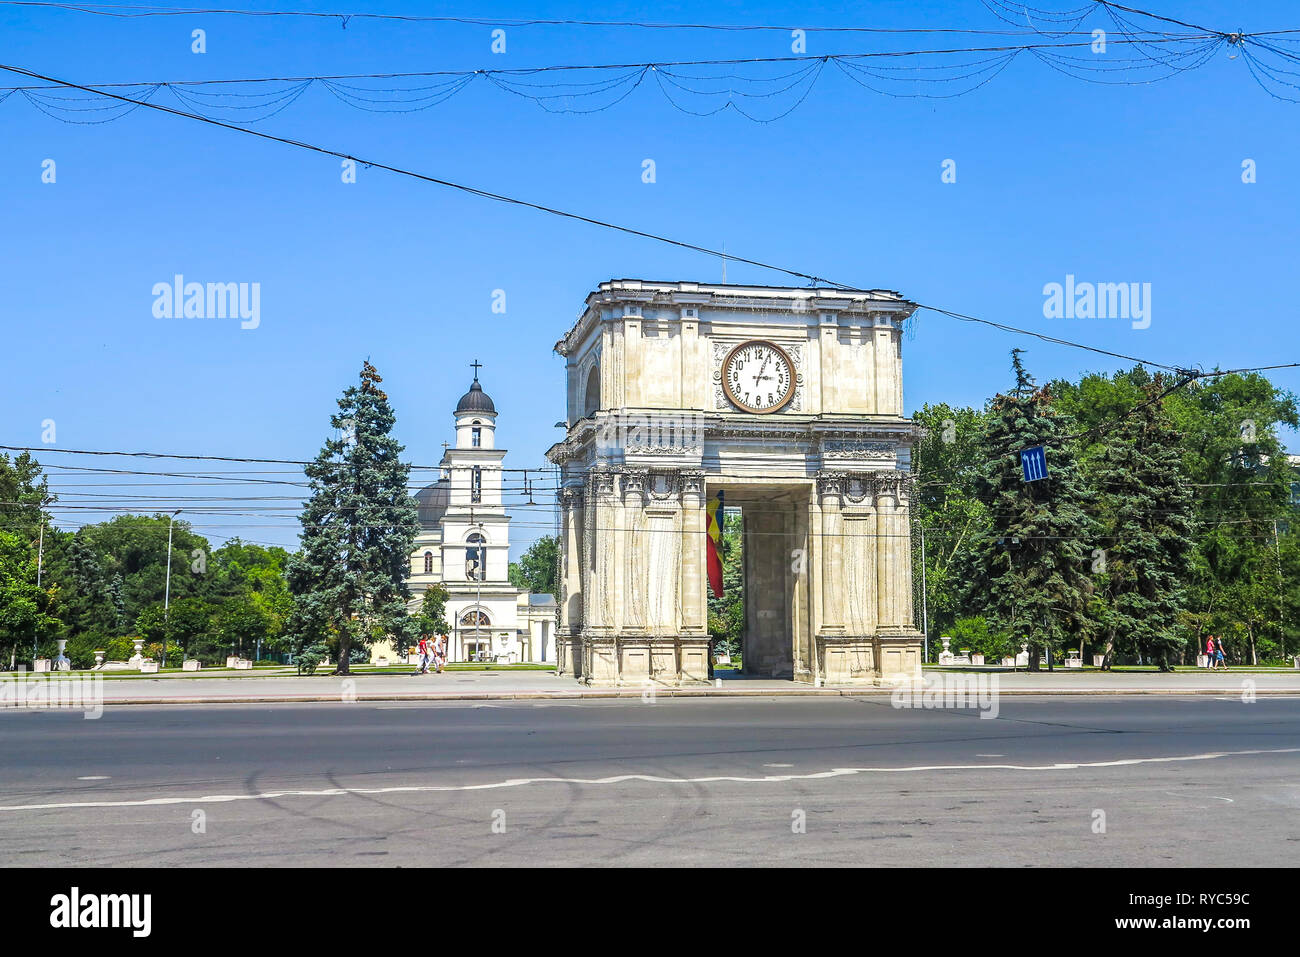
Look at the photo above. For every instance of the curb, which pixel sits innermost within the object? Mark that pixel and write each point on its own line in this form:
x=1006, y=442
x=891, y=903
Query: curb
x=669, y=693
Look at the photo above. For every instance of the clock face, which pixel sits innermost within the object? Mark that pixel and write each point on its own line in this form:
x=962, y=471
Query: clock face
x=758, y=376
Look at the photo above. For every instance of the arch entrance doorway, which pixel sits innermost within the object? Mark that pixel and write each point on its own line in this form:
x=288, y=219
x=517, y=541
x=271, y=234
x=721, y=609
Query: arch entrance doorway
x=789, y=403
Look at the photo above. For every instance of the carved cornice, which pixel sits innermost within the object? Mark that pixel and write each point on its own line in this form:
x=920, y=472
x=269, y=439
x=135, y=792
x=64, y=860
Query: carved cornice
x=858, y=487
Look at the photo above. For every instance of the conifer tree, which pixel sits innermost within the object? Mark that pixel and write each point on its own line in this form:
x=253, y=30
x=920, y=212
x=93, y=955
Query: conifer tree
x=1147, y=518
x=1026, y=569
x=358, y=528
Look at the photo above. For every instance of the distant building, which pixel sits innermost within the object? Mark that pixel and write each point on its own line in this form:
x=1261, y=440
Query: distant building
x=464, y=545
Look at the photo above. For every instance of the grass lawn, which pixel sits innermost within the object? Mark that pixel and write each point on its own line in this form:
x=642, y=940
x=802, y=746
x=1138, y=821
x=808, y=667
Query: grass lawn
x=281, y=671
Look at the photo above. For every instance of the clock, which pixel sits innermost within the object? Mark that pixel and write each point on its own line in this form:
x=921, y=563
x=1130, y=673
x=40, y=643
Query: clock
x=758, y=376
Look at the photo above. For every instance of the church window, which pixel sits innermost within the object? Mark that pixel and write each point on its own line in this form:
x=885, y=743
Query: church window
x=476, y=558
x=476, y=437
x=475, y=618
x=476, y=485
x=428, y=563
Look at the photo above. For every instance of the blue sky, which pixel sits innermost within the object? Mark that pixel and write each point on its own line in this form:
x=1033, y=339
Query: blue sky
x=1055, y=176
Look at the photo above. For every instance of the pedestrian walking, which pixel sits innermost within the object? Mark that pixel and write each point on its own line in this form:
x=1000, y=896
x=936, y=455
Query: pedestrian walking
x=1219, y=660
x=1209, y=652
x=425, y=653
x=440, y=653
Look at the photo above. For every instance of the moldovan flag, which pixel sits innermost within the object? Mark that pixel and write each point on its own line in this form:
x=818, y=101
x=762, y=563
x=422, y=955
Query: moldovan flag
x=714, y=509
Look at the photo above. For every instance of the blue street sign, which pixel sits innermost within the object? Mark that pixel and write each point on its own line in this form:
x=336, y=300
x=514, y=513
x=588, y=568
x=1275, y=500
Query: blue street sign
x=1034, y=462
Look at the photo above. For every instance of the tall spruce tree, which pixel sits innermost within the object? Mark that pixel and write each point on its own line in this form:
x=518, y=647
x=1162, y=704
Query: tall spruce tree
x=1147, y=522
x=1025, y=568
x=358, y=528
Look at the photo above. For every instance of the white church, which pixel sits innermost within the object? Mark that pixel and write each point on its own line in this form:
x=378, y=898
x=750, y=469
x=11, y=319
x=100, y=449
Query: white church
x=464, y=545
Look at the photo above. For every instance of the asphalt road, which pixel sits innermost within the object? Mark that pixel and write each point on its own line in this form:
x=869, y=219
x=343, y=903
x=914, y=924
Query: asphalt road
x=1180, y=781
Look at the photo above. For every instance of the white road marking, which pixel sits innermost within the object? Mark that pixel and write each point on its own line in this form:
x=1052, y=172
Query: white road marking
x=94, y=777
x=648, y=778
x=778, y=765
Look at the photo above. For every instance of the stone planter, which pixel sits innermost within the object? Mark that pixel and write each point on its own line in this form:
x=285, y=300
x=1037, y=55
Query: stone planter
x=1008, y=662
x=99, y=660
x=148, y=667
x=41, y=664
x=977, y=659
x=191, y=664
x=1098, y=660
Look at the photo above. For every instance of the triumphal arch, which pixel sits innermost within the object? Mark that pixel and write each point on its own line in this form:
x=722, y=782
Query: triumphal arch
x=789, y=402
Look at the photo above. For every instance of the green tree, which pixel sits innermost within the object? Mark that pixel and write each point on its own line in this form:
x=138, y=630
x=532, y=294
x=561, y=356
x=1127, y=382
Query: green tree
x=1146, y=534
x=359, y=526
x=24, y=495
x=726, y=615
x=1026, y=571
x=88, y=602
x=538, y=567
x=26, y=610
x=432, y=619
x=946, y=461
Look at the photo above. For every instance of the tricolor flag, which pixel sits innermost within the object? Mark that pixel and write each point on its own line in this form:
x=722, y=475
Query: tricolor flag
x=714, y=509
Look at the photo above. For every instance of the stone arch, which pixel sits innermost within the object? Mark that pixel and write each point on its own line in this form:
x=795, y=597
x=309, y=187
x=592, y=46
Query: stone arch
x=591, y=392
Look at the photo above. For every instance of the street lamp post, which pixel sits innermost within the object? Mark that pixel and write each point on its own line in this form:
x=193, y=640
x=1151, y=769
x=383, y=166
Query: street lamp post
x=167, y=594
x=925, y=600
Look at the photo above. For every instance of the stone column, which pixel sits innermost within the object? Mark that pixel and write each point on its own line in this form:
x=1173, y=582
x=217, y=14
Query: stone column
x=898, y=640
x=829, y=550
x=693, y=643
x=567, y=639
x=602, y=551
x=694, y=583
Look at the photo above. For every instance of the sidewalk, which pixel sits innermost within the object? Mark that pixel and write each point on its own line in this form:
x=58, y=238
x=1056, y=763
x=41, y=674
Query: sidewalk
x=481, y=686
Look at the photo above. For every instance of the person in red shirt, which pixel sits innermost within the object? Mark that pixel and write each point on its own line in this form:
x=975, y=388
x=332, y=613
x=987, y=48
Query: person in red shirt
x=1209, y=651
x=424, y=651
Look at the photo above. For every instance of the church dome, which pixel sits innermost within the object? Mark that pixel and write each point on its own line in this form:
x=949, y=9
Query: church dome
x=432, y=501
x=475, y=400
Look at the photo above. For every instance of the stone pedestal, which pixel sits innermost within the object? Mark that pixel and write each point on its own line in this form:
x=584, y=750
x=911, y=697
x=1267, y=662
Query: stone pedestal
x=640, y=661
x=41, y=664
x=191, y=664
x=885, y=659
x=148, y=667
x=245, y=664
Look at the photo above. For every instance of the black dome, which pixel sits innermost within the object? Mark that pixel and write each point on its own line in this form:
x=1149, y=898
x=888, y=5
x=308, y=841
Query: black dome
x=432, y=502
x=475, y=400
